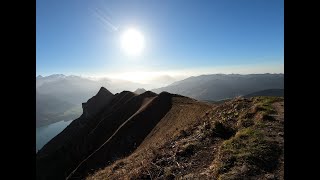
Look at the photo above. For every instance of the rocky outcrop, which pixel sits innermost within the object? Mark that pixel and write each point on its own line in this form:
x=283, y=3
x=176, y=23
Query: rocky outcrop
x=97, y=102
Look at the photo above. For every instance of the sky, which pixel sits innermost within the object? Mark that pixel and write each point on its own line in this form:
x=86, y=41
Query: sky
x=181, y=37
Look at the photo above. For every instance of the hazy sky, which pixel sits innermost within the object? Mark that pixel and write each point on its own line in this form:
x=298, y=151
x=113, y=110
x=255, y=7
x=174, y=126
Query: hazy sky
x=82, y=37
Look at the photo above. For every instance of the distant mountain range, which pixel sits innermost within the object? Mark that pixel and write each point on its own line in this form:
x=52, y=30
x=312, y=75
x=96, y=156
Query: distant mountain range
x=86, y=86
x=65, y=94
x=267, y=92
x=59, y=97
x=140, y=91
x=73, y=89
x=166, y=136
x=216, y=87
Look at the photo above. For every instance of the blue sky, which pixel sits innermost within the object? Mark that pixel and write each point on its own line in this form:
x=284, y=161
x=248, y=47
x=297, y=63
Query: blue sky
x=180, y=35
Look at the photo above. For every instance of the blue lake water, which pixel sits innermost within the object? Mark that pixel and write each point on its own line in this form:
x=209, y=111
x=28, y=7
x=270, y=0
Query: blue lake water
x=45, y=133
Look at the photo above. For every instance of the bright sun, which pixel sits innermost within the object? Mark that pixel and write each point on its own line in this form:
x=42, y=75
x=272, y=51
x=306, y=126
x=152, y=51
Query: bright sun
x=132, y=41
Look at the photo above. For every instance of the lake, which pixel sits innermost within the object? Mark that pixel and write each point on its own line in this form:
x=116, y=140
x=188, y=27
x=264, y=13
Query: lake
x=45, y=133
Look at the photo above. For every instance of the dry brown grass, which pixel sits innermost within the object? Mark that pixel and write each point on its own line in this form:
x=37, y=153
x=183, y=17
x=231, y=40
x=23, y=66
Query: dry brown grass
x=195, y=140
x=184, y=113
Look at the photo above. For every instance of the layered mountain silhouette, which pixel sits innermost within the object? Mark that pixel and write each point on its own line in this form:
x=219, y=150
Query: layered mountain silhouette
x=222, y=86
x=73, y=89
x=78, y=89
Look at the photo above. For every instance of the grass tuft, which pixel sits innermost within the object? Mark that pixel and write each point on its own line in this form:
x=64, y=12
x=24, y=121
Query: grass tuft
x=248, y=146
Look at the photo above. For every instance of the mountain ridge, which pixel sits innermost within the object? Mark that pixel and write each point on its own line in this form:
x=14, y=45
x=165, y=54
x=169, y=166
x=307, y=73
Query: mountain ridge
x=91, y=131
x=222, y=86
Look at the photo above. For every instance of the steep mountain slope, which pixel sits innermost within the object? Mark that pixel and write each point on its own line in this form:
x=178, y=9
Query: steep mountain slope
x=267, y=92
x=74, y=142
x=239, y=139
x=221, y=86
x=94, y=140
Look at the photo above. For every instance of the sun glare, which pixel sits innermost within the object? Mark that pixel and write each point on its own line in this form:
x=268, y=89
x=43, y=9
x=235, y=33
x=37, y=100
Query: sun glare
x=132, y=41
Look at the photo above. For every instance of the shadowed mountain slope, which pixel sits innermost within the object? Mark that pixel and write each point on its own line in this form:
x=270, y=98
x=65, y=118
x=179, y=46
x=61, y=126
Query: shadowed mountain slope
x=126, y=118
